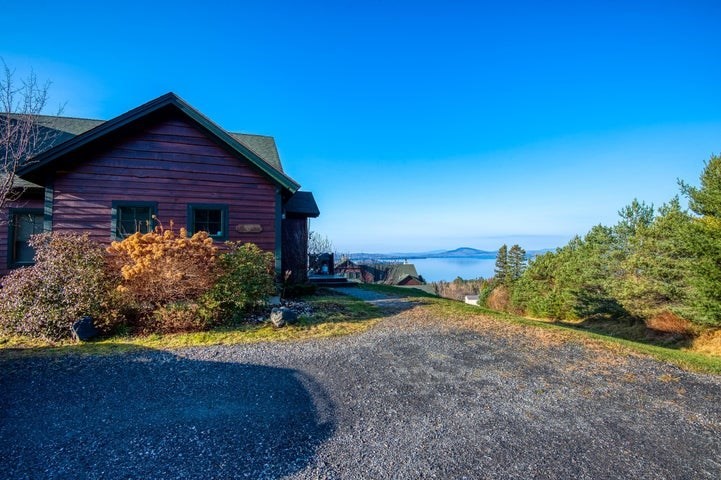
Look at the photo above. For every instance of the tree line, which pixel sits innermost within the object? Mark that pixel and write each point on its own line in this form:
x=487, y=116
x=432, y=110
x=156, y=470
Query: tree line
x=653, y=262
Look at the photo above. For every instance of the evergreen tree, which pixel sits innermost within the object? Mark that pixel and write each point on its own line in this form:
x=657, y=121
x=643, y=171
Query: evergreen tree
x=645, y=265
x=655, y=273
x=502, y=273
x=634, y=217
x=705, y=242
x=516, y=262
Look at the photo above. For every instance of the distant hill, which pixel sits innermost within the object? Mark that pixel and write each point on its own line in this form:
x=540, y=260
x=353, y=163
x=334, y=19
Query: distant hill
x=456, y=253
x=465, y=252
x=462, y=252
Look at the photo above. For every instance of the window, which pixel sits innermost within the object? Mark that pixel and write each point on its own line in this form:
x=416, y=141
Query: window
x=23, y=224
x=208, y=218
x=130, y=217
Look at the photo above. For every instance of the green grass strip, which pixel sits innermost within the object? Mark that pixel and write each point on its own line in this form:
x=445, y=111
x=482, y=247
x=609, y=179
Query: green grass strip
x=333, y=315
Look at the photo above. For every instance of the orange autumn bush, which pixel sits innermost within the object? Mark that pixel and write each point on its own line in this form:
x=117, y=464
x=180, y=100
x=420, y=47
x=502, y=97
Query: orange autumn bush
x=161, y=267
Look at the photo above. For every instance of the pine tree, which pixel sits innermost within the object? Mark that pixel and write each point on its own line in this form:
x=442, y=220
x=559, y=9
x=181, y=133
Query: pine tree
x=516, y=262
x=654, y=275
x=502, y=272
x=705, y=242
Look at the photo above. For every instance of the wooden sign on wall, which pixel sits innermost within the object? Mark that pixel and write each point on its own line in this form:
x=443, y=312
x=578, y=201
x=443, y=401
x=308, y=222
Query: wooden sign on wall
x=248, y=228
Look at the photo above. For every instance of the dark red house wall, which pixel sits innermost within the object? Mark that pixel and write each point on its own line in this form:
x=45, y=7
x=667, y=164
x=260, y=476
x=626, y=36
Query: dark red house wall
x=172, y=163
x=294, y=253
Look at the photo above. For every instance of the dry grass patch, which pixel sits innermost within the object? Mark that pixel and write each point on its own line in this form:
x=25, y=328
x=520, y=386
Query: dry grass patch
x=708, y=342
x=668, y=322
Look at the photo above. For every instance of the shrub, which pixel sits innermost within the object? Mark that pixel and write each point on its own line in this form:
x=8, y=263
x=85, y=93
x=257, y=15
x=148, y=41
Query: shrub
x=246, y=277
x=67, y=281
x=499, y=299
x=184, y=316
x=158, y=268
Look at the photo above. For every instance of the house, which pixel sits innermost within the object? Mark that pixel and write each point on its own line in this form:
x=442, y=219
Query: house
x=349, y=269
x=471, y=299
x=388, y=273
x=163, y=160
x=403, y=274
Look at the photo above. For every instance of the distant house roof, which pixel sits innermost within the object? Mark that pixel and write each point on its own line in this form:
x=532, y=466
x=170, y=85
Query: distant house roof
x=397, y=271
x=66, y=134
x=302, y=204
x=348, y=263
x=409, y=280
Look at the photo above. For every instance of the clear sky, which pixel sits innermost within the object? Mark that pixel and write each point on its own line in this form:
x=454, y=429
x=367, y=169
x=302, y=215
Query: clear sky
x=417, y=125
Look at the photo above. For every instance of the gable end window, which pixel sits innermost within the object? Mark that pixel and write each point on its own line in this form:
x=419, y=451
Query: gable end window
x=211, y=218
x=24, y=222
x=126, y=218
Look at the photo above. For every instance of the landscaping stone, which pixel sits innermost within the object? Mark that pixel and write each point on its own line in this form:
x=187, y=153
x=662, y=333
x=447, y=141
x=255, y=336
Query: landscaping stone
x=84, y=329
x=282, y=316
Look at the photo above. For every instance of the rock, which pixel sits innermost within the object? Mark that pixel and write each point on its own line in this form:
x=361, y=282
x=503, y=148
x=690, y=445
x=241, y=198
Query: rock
x=281, y=316
x=84, y=329
x=274, y=301
x=276, y=318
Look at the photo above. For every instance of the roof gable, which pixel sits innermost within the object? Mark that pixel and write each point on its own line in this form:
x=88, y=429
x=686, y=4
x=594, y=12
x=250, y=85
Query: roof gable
x=259, y=150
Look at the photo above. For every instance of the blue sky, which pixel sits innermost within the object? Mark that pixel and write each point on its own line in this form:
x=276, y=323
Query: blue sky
x=417, y=125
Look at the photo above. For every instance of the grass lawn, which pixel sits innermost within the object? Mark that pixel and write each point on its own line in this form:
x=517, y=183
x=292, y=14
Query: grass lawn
x=333, y=315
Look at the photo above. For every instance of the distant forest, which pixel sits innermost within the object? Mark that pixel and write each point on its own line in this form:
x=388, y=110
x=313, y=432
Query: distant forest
x=655, y=265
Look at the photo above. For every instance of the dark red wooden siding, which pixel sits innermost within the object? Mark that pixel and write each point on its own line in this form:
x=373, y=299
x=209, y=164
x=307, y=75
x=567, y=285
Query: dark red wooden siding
x=295, y=249
x=174, y=164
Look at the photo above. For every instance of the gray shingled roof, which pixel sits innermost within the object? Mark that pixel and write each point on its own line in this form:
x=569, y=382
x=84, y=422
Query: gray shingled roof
x=303, y=204
x=19, y=183
x=57, y=130
x=262, y=145
x=401, y=270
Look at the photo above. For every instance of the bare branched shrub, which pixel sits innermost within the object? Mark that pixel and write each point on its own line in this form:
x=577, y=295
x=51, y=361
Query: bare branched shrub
x=459, y=288
x=21, y=133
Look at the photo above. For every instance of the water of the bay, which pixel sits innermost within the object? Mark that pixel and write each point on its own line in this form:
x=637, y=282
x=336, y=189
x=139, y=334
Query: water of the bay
x=447, y=269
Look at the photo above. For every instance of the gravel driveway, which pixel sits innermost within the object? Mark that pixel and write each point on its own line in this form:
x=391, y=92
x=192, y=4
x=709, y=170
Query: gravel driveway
x=414, y=397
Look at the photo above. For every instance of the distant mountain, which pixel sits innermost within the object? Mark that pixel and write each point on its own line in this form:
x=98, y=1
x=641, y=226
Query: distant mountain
x=462, y=252
x=456, y=253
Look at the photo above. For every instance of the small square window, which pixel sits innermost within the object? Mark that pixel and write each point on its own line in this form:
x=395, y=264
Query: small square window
x=131, y=217
x=208, y=218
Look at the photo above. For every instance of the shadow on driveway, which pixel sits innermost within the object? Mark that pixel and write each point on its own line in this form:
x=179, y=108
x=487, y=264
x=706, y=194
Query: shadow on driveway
x=152, y=414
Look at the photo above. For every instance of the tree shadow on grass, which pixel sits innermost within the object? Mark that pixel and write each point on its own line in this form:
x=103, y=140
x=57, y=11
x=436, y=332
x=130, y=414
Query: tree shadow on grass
x=606, y=316
x=152, y=414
